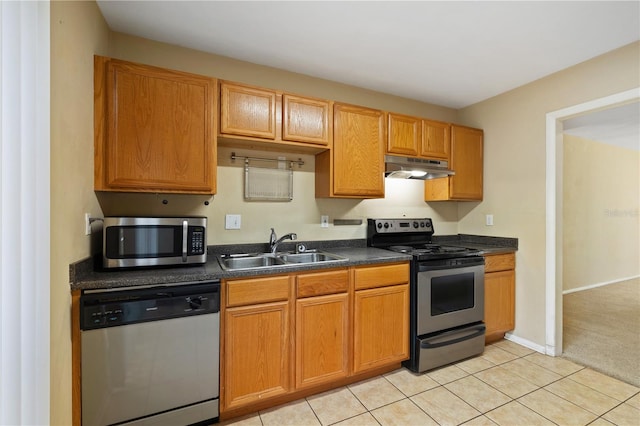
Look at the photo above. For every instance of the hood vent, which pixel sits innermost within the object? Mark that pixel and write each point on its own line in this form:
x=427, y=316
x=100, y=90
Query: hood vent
x=415, y=168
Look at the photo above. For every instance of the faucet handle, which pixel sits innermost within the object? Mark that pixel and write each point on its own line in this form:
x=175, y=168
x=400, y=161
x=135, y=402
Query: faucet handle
x=273, y=237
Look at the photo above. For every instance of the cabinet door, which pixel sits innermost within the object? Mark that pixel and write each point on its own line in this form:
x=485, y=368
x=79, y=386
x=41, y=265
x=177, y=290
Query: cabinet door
x=154, y=129
x=256, y=355
x=499, y=303
x=247, y=111
x=358, y=144
x=381, y=327
x=466, y=161
x=436, y=139
x=322, y=345
x=404, y=134
x=305, y=120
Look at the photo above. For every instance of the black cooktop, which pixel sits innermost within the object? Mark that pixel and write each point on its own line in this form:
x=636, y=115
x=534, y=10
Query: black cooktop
x=411, y=236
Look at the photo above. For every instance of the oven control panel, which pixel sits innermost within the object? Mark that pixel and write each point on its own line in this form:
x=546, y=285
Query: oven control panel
x=380, y=226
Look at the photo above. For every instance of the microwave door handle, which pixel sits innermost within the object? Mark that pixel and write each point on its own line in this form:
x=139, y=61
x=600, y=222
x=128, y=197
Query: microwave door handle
x=185, y=234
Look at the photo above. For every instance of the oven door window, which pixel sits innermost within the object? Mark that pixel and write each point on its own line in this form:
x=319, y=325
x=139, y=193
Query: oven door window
x=447, y=298
x=452, y=293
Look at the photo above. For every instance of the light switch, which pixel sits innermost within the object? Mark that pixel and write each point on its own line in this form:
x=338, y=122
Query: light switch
x=232, y=221
x=489, y=220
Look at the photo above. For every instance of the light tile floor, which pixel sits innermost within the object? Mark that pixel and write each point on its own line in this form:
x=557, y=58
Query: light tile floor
x=507, y=385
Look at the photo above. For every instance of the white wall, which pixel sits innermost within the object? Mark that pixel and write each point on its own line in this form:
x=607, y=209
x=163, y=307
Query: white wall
x=77, y=32
x=601, y=222
x=514, y=177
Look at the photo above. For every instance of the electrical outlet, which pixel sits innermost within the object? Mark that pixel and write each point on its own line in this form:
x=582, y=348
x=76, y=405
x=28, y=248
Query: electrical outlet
x=232, y=221
x=87, y=224
x=324, y=221
x=489, y=220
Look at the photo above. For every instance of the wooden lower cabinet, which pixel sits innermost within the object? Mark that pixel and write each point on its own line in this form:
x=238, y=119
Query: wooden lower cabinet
x=499, y=295
x=381, y=326
x=289, y=336
x=257, y=353
x=381, y=315
x=322, y=345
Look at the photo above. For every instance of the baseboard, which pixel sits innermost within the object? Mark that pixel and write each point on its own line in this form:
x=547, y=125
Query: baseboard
x=524, y=342
x=589, y=287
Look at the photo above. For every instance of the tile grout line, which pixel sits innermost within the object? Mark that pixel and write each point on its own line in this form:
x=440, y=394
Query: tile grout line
x=469, y=374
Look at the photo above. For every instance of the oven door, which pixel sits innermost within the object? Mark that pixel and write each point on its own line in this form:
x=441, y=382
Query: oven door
x=449, y=293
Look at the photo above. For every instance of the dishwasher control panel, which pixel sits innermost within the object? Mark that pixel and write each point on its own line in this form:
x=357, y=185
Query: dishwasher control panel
x=100, y=309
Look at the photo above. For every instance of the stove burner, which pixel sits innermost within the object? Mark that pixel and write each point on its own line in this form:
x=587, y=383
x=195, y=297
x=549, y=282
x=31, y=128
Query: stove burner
x=402, y=249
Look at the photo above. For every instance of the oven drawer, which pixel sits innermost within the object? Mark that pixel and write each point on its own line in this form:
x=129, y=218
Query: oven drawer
x=450, y=346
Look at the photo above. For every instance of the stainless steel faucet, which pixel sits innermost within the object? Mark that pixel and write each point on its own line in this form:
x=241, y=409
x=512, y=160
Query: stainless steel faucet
x=274, y=241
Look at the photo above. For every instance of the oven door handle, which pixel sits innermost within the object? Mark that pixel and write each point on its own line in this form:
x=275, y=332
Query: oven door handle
x=468, y=333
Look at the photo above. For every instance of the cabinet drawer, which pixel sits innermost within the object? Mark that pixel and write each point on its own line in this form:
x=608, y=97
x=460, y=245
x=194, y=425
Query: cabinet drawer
x=499, y=262
x=257, y=290
x=381, y=276
x=317, y=284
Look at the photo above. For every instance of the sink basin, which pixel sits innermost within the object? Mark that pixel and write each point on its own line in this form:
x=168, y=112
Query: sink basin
x=250, y=262
x=310, y=257
x=266, y=260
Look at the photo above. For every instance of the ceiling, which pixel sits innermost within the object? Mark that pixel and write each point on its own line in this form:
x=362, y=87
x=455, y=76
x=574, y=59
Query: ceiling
x=618, y=126
x=449, y=53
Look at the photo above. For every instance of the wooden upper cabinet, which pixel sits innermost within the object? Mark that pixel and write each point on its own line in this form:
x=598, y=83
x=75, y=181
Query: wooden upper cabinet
x=436, y=139
x=263, y=115
x=467, y=162
x=404, y=134
x=247, y=111
x=306, y=120
x=154, y=129
x=358, y=150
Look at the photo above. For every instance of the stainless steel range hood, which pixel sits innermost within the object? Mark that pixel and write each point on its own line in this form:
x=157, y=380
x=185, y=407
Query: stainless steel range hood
x=415, y=168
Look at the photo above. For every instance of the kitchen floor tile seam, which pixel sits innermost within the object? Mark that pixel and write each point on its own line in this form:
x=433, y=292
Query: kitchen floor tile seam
x=596, y=389
x=444, y=386
x=593, y=389
x=566, y=400
x=391, y=403
x=612, y=409
x=538, y=387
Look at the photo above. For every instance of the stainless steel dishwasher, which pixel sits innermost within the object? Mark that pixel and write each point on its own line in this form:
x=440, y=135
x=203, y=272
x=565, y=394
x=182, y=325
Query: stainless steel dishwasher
x=150, y=356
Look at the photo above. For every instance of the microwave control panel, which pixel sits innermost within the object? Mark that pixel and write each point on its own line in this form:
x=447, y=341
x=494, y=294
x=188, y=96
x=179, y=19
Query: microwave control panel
x=197, y=244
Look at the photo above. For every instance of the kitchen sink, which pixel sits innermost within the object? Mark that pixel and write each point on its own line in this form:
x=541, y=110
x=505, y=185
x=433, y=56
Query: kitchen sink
x=309, y=257
x=249, y=262
x=265, y=260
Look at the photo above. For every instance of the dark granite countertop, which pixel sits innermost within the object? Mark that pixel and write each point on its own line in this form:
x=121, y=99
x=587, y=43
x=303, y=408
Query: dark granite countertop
x=83, y=275
x=486, y=245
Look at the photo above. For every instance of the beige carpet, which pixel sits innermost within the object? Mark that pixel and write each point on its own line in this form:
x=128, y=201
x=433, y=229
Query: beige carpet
x=601, y=329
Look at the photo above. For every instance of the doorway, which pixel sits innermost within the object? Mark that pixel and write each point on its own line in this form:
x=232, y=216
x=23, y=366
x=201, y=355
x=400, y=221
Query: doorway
x=554, y=208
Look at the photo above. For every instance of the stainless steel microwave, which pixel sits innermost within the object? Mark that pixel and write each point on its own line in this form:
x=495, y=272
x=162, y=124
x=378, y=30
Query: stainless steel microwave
x=130, y=242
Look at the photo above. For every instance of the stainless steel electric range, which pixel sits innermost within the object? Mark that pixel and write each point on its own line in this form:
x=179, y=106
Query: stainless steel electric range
x=446, y=292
